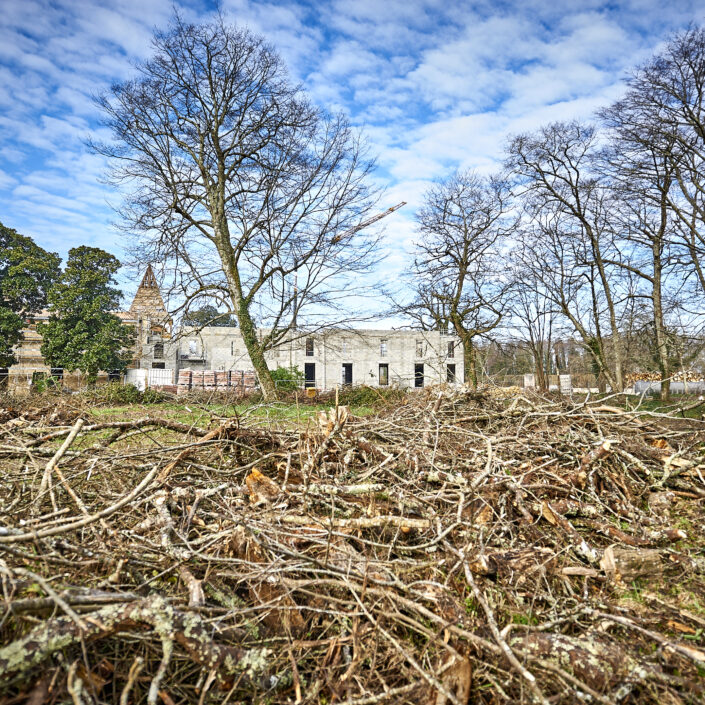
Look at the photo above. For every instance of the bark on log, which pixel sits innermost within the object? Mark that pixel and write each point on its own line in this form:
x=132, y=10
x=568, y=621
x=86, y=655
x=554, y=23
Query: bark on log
x=628, y=563
x=187, y=629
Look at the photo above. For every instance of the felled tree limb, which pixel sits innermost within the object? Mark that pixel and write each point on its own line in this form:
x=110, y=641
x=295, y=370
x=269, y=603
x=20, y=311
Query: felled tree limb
x=187, y=629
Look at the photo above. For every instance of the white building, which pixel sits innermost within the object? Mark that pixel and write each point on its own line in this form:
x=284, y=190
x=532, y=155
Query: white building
x=372, y=357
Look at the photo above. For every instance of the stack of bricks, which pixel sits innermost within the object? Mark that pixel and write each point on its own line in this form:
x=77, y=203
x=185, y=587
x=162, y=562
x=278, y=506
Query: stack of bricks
x=184, y=383
x=249, y=381
x=211, y=380
x=197, y=379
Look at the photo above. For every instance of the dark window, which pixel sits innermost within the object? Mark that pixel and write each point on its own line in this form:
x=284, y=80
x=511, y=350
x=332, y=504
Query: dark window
x=310, y=374
x=418, y=375
x=383, y=348
x=158, y=351
x=347, y=374
x=114, y=376
x=451, y=348
x=57, y=373
x=419, y=349
x=232, y=347
x=383, y=375
x=309, y=347
x=450, y=374
x=158, y=365
x=4, y=374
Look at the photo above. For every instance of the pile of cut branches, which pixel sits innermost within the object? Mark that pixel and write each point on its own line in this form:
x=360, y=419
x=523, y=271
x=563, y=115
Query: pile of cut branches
x=456, y=548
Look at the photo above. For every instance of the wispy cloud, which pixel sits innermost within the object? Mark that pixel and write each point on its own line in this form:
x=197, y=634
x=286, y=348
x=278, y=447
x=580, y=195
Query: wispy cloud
x=435, y=84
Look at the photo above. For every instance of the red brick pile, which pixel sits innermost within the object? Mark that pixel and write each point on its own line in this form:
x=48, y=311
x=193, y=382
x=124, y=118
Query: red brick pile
x=216, y=380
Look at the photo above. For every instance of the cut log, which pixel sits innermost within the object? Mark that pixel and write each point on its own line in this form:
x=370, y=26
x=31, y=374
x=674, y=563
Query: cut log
x=625, y=564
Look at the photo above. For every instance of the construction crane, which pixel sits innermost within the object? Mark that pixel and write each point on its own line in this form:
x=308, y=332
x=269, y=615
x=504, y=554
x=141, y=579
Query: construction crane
x=367, y=222
x=338, y=238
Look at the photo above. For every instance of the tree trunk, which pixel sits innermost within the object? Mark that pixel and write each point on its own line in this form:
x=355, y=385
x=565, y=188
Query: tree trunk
x=661, y=345
x=541, y=382
x=256, y=352
x=657, y=301
x=241, y=306
x=469, y=362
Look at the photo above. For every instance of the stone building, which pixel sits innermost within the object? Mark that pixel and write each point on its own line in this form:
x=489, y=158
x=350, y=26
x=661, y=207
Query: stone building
x=372, y=357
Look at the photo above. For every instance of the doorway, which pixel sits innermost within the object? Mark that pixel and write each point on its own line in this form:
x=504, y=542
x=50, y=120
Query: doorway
x=310, y=374
x=347, y=374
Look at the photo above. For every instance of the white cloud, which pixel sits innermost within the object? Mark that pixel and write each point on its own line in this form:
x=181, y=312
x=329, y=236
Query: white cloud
x=436, y=85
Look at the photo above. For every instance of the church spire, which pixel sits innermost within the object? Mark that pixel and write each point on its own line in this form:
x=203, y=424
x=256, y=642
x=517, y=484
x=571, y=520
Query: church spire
x=148, y=301
x=149, y=281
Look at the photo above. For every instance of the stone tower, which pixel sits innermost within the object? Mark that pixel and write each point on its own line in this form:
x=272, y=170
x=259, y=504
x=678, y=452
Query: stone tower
x=148, y=301
x=151, y=321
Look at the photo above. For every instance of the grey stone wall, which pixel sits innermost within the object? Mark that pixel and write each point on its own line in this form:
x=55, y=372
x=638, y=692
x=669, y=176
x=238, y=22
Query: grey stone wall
x=363, y=350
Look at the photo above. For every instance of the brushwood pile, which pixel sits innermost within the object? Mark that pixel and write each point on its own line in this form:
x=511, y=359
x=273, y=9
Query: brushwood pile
x=454, y=547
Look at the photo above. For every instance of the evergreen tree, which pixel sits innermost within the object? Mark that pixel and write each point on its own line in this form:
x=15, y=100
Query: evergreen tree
x=26, y=273
x=82, y=333
x=209, y=316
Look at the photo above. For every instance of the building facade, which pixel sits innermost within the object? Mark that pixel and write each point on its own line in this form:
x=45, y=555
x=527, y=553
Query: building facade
x=372, y=357
x=329, y=358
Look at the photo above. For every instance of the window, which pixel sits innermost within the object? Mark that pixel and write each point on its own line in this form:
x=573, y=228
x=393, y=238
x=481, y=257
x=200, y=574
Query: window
x=443, y=328
x=158, y=366
x=192, y=347
x=383, y=348
x=345, y=348
x=383, y=375
x=232, y=348
x=418, y=375
x=309, y=347
x=158, y=351
x=451, y=348
x=450, y=374
x=347, y=374
x=419, y=349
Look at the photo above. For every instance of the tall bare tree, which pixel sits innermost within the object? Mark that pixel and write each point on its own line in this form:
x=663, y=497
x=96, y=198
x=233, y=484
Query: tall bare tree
x=456, y=277
x=245, y=191
x=663, y=113
x=533, y=314
x=646, y=226
x=568, y=206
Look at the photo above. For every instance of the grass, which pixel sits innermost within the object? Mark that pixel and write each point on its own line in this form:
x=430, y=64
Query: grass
x=201, y=414
x=653, y=403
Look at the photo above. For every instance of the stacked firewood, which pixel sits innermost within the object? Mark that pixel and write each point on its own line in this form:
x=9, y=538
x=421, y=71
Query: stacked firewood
x=680, y=376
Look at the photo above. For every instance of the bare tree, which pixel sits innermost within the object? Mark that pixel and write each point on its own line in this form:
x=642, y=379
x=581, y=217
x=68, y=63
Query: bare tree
x=245, y=192
x=533, y=315
x=663, y=114
x=456, y=277
x=646, y=229
x=570, y=248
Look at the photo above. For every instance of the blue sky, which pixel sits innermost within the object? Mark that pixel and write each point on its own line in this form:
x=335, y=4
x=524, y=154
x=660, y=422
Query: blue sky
x=435, y=84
